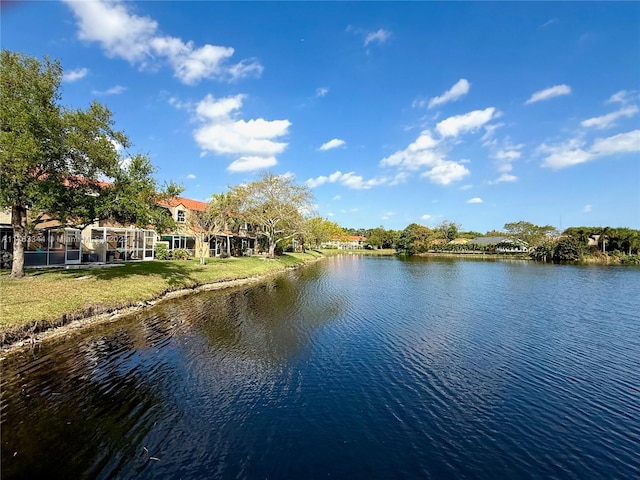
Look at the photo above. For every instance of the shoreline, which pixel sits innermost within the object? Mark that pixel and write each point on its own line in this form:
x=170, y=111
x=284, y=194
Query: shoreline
x=29, y=336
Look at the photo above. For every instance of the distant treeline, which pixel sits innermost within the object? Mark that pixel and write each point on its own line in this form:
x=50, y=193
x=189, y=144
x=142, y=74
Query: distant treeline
x=542, y=243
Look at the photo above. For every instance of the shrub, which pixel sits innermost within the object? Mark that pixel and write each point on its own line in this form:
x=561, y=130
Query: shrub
x=630, y=260
x=162, y=251
x=568, y=249
x=543, y=252
x=181, y=254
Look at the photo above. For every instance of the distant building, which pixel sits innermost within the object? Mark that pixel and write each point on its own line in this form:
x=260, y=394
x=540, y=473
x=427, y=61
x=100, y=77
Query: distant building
x=354, y=242
x=502, y=244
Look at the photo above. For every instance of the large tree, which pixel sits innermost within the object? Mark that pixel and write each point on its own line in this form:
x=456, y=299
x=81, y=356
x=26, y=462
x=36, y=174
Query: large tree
x=217, y=218
x=319, y=230
x=447, y=230
x=530, y=233
x=415, y=239
x=276, y=206
x=59, y=163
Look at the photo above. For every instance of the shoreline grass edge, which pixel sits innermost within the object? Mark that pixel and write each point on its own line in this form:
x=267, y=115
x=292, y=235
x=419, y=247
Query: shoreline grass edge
x=51, y=303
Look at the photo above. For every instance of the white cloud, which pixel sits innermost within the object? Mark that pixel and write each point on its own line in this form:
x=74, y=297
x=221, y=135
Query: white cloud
x=608, y=120
x=379, y=36
x=251, y=164
x=490, y=129
x=349, y=180
x=506, y=155
x=74, y=75
x=446, y=172
x=572, y=152
x=505, y=177
x=337, y=197
x=460, y=89
x=468, y=122
x=221, y=132
x=548, y=93
x=117, y=90
x=191, y=176
x=122, y=34
x=426, y=216
x=624, y=96
x=549, y=22
x=428, y=153
x=474, y=200
x=622, y=143
x=587, y=208
x=321, y=92
x=424, y=151
x=333, y=143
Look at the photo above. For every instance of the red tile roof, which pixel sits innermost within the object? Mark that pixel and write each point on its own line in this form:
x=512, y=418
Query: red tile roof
x=186, y=202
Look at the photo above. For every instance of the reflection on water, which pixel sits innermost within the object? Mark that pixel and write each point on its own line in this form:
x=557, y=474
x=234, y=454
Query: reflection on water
x=352, y=367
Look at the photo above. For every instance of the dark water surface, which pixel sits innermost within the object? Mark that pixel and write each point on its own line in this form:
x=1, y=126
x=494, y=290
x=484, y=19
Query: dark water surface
x=353, y=367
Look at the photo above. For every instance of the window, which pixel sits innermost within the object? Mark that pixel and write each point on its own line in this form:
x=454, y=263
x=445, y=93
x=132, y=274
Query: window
x=180, y=216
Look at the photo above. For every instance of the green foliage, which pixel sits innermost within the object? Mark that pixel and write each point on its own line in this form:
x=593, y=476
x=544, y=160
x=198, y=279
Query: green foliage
x=447, y=230
x=47, y=148
x=415, y=239
x=133, y=196
x=568, y=249
x=276, y=205
x=543, y=252
x=381, y=238
x=609, y=239
x=161, y=251
x=528, y=232
x=319, y=230
x=630, y=260
x=181, y=254
x=469, y=235
x=53, y=159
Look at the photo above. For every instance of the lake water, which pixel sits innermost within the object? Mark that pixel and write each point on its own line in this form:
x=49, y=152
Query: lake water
x=353, y=367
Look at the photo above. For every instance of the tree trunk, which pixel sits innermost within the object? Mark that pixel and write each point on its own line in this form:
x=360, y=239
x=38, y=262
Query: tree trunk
x=272, y=249
x=18, y=220
x=202, y=262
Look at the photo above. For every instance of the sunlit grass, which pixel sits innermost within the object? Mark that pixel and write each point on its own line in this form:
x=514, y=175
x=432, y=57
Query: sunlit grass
x=45, y=295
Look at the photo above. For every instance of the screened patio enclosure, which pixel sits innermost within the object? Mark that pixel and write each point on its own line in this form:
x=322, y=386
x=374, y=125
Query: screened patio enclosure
x=63, y=247
x=118, y=244
x=177, y=241
x=46, y=247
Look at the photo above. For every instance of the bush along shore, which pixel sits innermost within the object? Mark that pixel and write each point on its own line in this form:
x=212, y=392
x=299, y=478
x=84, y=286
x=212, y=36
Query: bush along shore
x=46, y=299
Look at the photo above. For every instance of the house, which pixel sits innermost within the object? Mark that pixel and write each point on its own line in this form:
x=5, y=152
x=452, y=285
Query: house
x=185, y=236
x=107, y=241
x=188, y=235
x=501, y=244
x=353, y=242
x=51, y=244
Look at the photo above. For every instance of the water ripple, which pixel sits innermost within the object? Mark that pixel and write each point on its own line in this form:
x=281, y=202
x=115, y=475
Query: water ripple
x=353, y=368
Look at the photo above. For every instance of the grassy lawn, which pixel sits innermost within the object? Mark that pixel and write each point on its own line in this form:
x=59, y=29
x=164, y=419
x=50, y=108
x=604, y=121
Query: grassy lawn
x=44, y=296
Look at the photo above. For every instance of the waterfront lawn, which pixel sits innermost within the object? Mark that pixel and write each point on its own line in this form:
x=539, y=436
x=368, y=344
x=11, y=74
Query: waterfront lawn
x=44, y=296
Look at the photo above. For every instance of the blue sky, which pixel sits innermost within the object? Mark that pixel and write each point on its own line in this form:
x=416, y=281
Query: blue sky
x=393, y=113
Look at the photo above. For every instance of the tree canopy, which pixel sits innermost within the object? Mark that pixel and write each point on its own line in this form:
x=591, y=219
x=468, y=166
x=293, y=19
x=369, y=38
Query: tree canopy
x=319, y=230
x=61, y=162
x=276, y=206
x=528, y=232
x=415, y=239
